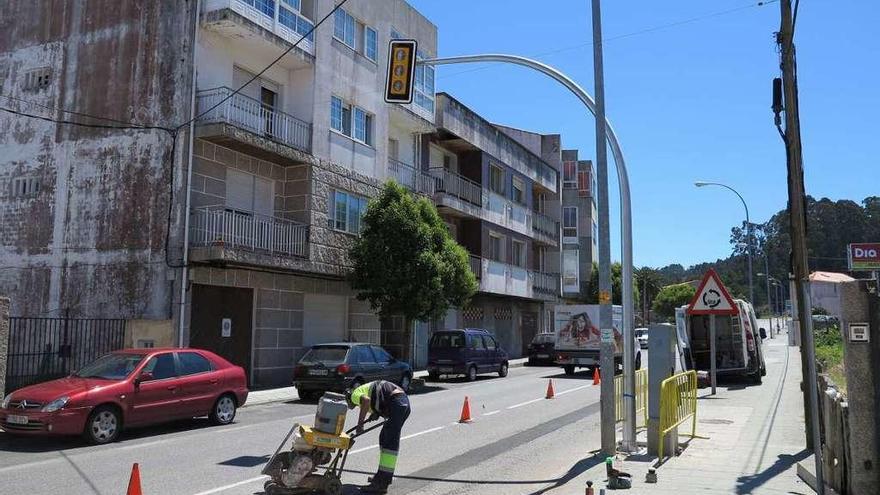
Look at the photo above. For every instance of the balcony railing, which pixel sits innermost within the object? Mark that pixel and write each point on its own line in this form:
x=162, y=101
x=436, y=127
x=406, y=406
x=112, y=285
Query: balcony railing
x=249, y=114
x=477, y=266
x=546, y=283
x=545, y=225
x=219, y=227
x=458, y=186
x=503, y=278
x=413, y=179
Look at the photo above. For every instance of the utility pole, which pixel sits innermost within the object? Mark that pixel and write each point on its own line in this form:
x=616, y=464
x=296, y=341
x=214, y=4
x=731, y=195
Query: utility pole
x=797, y=213
x=767, y=278
x=606, y=325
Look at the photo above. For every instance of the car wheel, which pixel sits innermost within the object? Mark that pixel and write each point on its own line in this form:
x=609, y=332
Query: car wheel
x=103, y=425
x=472, y=373
x=224, y=410
x=405, y=382
x=756, y=378
x=763, y=370
x=433, y=376
x=569, y=369
x=502, y=372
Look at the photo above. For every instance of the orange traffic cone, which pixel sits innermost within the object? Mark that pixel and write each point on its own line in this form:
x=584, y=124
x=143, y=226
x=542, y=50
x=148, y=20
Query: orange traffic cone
x=550, y=392
x=465, y=412
x=597, y=379
x=134, y=483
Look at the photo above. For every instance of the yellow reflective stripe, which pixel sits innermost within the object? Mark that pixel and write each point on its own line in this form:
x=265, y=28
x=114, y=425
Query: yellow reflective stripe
x=359, y=392
x=387, y=460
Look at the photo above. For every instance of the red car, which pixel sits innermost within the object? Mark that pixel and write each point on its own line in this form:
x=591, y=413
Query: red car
x=133, y=387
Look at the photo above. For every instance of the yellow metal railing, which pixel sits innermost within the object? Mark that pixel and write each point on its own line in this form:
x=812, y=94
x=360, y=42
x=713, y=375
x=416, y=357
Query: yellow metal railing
x=641, y=398
x=678, y=403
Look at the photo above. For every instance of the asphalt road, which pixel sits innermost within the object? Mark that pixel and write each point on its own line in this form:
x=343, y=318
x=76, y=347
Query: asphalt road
x=438, y=455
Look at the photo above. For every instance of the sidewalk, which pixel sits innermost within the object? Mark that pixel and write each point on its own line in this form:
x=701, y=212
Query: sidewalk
x=756, y=439
x=286, y=394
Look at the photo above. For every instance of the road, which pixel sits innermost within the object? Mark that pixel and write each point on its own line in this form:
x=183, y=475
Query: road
x=512, y=422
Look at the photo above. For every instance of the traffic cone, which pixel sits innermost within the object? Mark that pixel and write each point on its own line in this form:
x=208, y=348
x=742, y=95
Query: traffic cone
x=550, y=392
x=465, y=412
x=134, y=483
x=597, y=379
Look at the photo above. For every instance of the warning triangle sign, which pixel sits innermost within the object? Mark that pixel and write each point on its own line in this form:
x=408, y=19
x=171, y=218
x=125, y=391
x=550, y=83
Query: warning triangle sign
x=712, y=297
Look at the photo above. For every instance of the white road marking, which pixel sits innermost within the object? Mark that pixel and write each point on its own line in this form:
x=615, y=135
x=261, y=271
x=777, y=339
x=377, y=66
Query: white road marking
x=525, y=403
x=232, y=485
x=364, y=449
x=422, y=432
x=492, y=412
x=573, y=389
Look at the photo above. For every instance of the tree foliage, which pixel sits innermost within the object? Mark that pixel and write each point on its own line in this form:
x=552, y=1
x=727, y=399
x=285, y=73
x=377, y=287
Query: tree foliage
x=405, y=262
x=649, y=282
x=671, y=297
x=616, y=287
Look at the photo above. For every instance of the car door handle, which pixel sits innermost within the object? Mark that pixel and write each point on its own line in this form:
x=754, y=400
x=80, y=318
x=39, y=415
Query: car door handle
x=172, y=388
x=214, y=381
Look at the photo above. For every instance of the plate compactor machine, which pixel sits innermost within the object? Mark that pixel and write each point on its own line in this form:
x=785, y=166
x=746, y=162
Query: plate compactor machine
x=294, y=468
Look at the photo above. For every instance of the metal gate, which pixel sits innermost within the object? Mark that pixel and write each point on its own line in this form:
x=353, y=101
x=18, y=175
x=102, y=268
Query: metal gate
x=42, y=349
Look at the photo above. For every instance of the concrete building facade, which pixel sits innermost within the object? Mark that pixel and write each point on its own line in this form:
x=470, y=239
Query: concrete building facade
x=580, y=225
x=94, y=219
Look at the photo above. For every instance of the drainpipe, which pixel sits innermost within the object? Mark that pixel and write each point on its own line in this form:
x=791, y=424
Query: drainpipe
x=184, y=270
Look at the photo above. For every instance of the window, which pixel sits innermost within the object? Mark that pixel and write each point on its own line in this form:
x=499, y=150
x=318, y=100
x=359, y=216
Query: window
x=266, y=7
x=363, y=126
x=294, y=4
x=146, y=343
x=569, y=175
x=496, y=179
x=570, y=270
x=364, y=355
x=424, y=86
x=249, y=194
x=496, y=252
x=595, y=193
x=37, y=79
x=371, y=43
x=381, y=355
x=476, y=342
x=25, y=186
x=344, y=117
x=490, y=343
x=162, y=366
x=583, y=183
x=518, y=254
x=346, y=211
x=570, y=222
x=519, y=188
x=344, y=27
x=192, y=363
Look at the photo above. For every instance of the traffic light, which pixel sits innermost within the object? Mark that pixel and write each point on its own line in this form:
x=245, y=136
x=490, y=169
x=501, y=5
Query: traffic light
x=401, y=70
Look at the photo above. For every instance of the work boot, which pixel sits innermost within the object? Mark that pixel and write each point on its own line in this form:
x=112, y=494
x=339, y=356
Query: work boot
x=375, y=487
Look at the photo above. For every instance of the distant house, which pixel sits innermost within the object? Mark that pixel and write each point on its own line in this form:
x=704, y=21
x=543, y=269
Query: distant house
x=824, y=290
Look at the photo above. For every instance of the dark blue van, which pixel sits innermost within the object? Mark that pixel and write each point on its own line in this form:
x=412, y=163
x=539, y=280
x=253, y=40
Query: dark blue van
x=467, y=352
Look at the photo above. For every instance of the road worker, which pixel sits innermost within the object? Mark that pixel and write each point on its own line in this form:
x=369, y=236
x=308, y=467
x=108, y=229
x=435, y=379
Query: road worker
x=385, y=399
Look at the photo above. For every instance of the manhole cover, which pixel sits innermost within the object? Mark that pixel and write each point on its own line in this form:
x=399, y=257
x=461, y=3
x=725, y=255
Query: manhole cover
x=716, y=421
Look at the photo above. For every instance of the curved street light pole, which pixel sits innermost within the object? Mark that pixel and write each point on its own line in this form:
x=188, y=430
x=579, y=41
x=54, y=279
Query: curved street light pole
x=629, y=431
x=748, y=230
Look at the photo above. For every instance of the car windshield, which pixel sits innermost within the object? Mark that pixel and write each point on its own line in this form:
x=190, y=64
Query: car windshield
x=543, y=338
x=111, y=366
x=447, y=341
x=325, y=355
x=641, y=333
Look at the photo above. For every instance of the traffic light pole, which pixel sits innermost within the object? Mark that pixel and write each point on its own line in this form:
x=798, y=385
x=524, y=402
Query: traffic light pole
x=625, y=206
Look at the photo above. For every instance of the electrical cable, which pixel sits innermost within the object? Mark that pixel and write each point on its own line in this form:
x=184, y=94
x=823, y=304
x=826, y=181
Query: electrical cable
x=125, y=125
x=83, y=124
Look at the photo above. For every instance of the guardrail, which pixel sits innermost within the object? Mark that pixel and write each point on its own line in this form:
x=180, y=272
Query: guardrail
x=545, y=225
x=411, y=178
x=218, y=227
x=458, y=186
x=641, y=398
x=678, y=403
x=251, y=115
x=476, y=266
x=547, y=283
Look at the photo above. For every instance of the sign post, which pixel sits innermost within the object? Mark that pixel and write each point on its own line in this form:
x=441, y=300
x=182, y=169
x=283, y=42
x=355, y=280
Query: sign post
x=712, y=299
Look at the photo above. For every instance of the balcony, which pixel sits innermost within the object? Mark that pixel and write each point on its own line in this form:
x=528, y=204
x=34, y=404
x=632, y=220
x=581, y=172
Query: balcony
x=214, y=227
x=411, y=178
x=256, y=21
x=545, y=229
x=510, y=280
x=266, y=127
x=506, y=213
x=457, y=193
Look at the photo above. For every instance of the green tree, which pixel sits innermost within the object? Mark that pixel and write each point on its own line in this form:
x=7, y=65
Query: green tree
x=616, y=281
x=405, y=262
x=671, y=297
x=649, y=285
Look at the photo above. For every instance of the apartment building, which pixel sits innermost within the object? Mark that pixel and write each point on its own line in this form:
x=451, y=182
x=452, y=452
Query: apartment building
x=580, y=225
x=267, y=200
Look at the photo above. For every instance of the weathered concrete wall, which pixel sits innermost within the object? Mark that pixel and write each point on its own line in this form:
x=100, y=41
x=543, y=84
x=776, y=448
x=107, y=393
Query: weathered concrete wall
x=4, y=341
x=159, y=332
x=92, y=237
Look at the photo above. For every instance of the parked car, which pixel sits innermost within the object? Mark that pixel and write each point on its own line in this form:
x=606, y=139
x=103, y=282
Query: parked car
x=133, y=387
x=642, y=337
x=542, y=349
x=465, y=352
x=336, y=367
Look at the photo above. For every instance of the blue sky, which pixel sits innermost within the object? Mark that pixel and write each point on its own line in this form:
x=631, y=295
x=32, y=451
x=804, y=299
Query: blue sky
x=688, y=101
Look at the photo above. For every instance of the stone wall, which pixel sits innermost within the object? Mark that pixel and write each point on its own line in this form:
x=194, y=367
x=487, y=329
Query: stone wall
x=4, y=341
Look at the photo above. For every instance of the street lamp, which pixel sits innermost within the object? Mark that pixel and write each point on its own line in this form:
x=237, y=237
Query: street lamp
x=777, y=285
x=701, y=183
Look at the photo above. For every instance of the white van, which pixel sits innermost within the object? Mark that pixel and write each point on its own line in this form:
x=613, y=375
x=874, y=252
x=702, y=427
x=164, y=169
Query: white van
x=738, y=349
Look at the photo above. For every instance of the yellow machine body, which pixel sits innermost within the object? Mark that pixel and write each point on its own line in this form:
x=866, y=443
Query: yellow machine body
x=317, y=438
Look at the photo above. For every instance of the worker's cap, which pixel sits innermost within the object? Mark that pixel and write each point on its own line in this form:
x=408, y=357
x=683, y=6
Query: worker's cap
x=351, y=405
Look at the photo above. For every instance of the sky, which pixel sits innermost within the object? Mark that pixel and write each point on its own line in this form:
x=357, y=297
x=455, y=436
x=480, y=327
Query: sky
x=688, y=91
